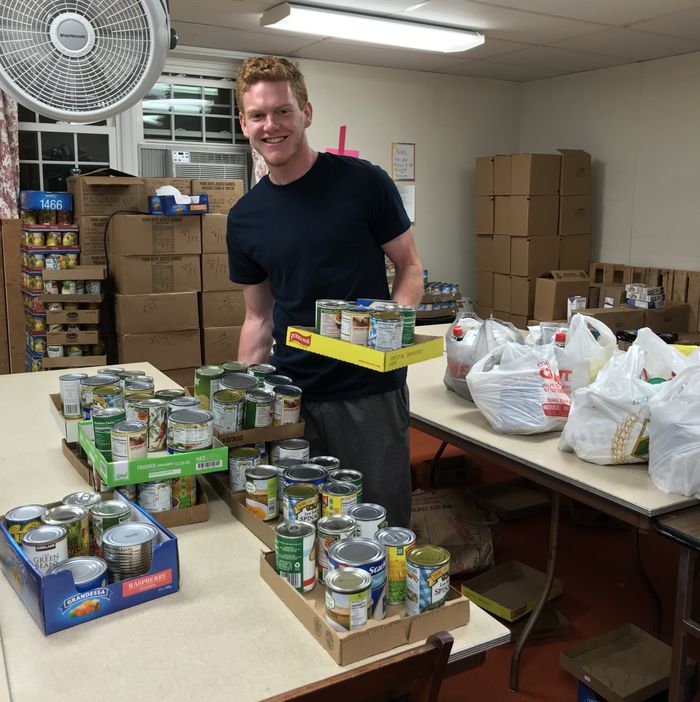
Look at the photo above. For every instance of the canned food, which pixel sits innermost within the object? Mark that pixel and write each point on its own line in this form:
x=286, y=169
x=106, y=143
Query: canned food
x=275, y=379
x=46, y=216
x=329, y=317
x=234, y=367
x=102, y=422
x=29, y=216
x=370, y=519
x=75, y=351
x=59, y=328
x=64, y=217
x=169, y=394
x=228, y=408
x=51, y=287
x=385, y=330
x=408, y=318
x=93, y=287
x=301, y=503
x=179, y=403
x=69, y=239
x=261, y=492
x=89, y=573
x=127, y=374
x=328, y=462
x=427, y=578
x=348, y=598
x=350, y=476
x=190, y=430
x=398, y=542
x=155, y=496
x=129, y=440
x=54, y=351
x=184, y=491
x=111, y=370
x=261, y=371
x=306, y=473
x=71, y=259
x=295, y=554
x=87, y=388
x=131, y=402
x=206, y=384
x=290, y=448
x=355, y=325
x=69, y=385
x=37, y=260
x=329, y=530
x=128, y=549
x=367, y=555
x=287, y=404
x=258, y=408
x=54, y=307
x=105, y=515
x=75, y=520
x=22, y=519
x=38, y=239
x=54, y=239
x=238, y=381
x=141, y=384
x=128, y=491
x=68, y=287
x=282, y=464
x=240, y=460
x=107, y=396
x=152, y=412
x=45, y=546
x=337, y=498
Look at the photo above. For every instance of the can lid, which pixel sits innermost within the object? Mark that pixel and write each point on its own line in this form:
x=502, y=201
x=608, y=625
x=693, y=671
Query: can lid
x=169, y=393
x=295, y=529
x=45, y=534
x=83, y=568
x=367, y=511
x=152, y=402
x=129, y=427
x=106, y=412
x=345, y=474
x=395, y=536
x=340, y=488
x=62, y=514
x=326, y=461
x=238, y=381
x=260, y=395
x=111, y=508
x=24, y=512
x=428, y=555
x=288, y=390
x=277, y=379
x=348, y=580
x=211, y=371
x=229, y=395
x=73, y=376
x=331, y=303
x=245, y=452
x=294, y=444
x=356, y=551
x=184, y=402
x=261, y=472
x=192, y=415
x=357, y=309
x=129, y=534
x=97, y=380
x=305, y=472
x=82, y=499
x=267, y=368
x=336, y=522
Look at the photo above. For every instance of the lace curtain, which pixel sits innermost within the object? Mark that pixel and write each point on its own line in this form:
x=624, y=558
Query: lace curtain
x=9, y=158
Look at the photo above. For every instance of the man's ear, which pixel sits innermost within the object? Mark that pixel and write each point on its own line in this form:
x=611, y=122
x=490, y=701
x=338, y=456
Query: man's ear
x=308, y=114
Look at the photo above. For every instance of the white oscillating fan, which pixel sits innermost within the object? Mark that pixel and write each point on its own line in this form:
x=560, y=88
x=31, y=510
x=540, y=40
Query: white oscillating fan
x=82, y=60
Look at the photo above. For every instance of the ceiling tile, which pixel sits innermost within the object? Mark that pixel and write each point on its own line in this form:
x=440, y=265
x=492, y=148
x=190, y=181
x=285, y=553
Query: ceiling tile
x=494, y=47
x=680, y=24
x=501, y=71
x=218, y=13
x=564, y=59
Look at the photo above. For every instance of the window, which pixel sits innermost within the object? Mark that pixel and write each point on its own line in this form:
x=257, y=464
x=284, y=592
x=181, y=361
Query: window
x=49, y=151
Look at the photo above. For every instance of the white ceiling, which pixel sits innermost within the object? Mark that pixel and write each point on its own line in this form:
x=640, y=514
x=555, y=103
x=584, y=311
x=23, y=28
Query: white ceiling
x=525, y=39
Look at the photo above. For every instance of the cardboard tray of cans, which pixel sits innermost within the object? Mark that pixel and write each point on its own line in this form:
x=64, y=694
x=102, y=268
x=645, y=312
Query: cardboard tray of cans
x=423, y=348
x=157, y=466
x=73, y=361
x=55, y=604
x=254, y=436
x=171, y=518
x=396, y=629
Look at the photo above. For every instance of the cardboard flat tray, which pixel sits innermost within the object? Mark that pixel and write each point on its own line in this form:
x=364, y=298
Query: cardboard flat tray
x=423, y=348
x=396, y=629
x=74, y=361
x=253, y=436
x=511, y=499
x=624, y=665
x=549, y=624
x=509, y=590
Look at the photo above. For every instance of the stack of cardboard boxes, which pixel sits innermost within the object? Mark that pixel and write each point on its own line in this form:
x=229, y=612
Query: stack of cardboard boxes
x=532, y=216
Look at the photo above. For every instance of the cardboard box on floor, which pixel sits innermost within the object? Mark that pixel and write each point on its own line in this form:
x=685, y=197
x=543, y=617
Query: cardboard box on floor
x=146, y=235
x=575, y=172
x=483, y=176
x=105, y=191
x=223, y=193
x=483, y=253
x=483, y=214
x=4, y=334
x=220, y=344
x=533, y=256
x=574, y=215
x=533, y=215
x=673, y=317
x=618, y=318
x=522, y=296
x=501, y=175
x=612, y=295
x=222, y=308
x=501, y=254
x=535, y=174
x=165, y=350
x=484, y=288
x=501, y=216
x=501, y=292
x=554, y=288
x=574, y=252
x=215, y=273
x=140, y=275
x=214, y=233
x=156, y=312
x=184, y=185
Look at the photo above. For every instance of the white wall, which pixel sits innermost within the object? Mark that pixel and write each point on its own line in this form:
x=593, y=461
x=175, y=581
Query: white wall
x=641, y=123
x=450, y=119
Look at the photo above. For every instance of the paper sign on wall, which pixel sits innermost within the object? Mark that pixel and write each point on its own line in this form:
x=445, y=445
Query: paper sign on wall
x=403, y=161
x=408, y=197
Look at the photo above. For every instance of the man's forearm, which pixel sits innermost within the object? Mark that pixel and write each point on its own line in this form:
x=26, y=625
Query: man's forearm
x=255, y=344
x=408, y=285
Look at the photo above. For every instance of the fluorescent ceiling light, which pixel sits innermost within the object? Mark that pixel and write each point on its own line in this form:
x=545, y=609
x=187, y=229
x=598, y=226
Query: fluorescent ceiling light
x=367, y=28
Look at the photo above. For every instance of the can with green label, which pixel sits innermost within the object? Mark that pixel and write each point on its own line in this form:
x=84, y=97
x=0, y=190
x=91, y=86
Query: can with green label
x=295, y=553
x=102, y=422
x=206, y=383
x=408, y=315
x=397, y=541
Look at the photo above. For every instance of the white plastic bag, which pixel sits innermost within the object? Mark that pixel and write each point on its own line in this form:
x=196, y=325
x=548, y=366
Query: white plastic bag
x=478, y=339
x=608, y=420
x=674, y=435
x=517, y=389
x=660, y=359
x=582, y=346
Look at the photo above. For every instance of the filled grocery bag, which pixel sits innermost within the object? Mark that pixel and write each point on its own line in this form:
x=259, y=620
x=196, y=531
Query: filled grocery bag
x=591, y=342
x=674, y=434
x=661, y=360
x=518, y=389
x=468, y=339
x=608, y=422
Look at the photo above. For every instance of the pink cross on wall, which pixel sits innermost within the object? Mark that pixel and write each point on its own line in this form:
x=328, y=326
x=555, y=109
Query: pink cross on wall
x=341, y=150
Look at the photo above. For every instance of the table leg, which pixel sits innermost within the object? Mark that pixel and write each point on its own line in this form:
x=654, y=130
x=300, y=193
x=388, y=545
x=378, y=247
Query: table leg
x=682, y=622
x=434, y=462
x=551, y=561
x=655, y=598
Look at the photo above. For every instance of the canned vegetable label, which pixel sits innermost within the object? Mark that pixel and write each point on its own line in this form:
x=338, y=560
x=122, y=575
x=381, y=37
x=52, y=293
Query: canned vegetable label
x=398, y=542
x=261, y=492
x=206, y=384
x=329, y=317
x=427, y=578
x=295, y=553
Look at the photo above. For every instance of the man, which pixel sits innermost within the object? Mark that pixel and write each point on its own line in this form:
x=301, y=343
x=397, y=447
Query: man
x=317, y=227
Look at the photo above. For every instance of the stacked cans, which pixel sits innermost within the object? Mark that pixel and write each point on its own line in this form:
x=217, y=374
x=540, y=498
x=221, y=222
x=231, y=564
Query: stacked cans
x=128, y=549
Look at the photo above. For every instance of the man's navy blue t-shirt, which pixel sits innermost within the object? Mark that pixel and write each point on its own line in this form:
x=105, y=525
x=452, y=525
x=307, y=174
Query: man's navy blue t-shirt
x=319, y=237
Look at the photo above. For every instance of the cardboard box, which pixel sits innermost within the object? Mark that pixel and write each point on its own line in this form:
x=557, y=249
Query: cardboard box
x=618, y=318
x=214, y=233
x=73, y=362
x=501, y=254
x=4, y=335
x=673, y=317
x=422, y=349
x=553, y=289
x=483, y=176
x=501, y=175
x=624, y=665
x=92, y=239
x=222, y=308
x=519, y=321
x=106, y=191
x=75, y=273
x=501, y=218
x=533, y=215
x=215, y=273
x=55, y=604
x=184, y=185
x=139, y=275
x=574, y=215
x=181, y=376
x=278, y=432
x=509, y=590
x=512, y=499
x=73, y=317
x=522, y=296
x=168, y=349
x=72, y=338
x=156, y=312
x=145, y=235
x=483, y=253
x=501, y=292
x=223, y=194
x=533, y=256
x=680, y=287
x=396, y=629
x=483, y=311
x=575, y=172
x=484, y=215
x=220, y=344
x=11, y=234
x=67, y=427
x=594, y=295
x=612, y=295
x=484, y=288
x=574, y=251
x=535, y=174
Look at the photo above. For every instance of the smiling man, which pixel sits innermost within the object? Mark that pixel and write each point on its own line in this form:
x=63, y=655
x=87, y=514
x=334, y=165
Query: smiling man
x=317, y=227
